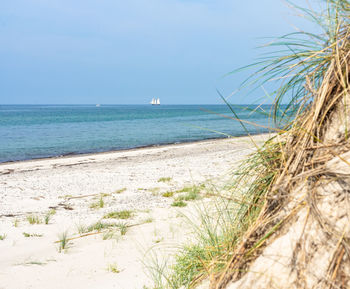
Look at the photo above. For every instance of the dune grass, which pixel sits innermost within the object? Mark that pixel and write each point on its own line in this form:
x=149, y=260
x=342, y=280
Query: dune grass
x=125, y=214
x=311, y=71
x=123, y=228
x=187, y=193
x=109, y=229
x=48, y=216
x=168, y=194
x=109, y=234
x=27, y=235
x=64, y=241
x=192, y=189
x=81, y=228
x=113, y=268
x=47, y=219
x=178, y=203
x=98, y=204
x=223, y=222
x=15, y=222
x=33, y=219
x=190, y=196
x=98, y=226
x=164, y=180
x=190, y=193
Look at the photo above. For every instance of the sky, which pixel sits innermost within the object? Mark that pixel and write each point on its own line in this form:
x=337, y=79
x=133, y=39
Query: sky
x=126, y=52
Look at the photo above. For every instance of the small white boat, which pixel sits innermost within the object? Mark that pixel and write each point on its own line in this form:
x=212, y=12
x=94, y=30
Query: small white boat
x=98, y=105
x=155, y=101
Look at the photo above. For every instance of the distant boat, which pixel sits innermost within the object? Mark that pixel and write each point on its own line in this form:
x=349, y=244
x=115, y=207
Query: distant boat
x=98, y=105
x=155, y=101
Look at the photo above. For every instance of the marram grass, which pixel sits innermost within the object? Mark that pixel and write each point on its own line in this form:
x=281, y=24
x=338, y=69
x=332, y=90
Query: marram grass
x=311, y=73
x=224, y=222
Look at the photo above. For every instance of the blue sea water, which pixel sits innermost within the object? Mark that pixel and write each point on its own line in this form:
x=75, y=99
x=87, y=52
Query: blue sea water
x=38, y=131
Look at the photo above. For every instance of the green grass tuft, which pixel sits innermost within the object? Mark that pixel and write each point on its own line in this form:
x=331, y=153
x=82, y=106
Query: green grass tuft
x=190, y=196
x=168, y=194
x=64, y=242
x=98, y=226
x=192, y=189
x=32, y=219
x=48, y=216
x=179, y=204
x=99, y=204
x=188, y=264
x=27, y=235
x=52, y=212
x=123, y=228
x=192, y=193
x=164, y=180
x=125, y=214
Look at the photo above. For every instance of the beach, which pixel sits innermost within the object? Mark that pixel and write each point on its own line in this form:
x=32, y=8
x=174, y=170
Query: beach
x=77, y=191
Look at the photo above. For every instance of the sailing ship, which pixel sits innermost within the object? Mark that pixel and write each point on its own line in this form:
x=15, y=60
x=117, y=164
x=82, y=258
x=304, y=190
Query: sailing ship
x=155, y=101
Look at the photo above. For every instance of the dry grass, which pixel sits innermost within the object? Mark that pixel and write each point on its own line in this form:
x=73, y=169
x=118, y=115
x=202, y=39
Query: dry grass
x=317, y=135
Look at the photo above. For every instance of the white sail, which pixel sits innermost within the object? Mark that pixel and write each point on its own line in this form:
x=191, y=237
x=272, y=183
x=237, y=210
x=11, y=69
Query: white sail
x=155, y=101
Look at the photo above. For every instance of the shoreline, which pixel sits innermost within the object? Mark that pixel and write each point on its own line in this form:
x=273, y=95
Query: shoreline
x=84, y=154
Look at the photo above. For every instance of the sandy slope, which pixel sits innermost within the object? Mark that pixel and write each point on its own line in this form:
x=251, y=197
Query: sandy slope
x=33, y=187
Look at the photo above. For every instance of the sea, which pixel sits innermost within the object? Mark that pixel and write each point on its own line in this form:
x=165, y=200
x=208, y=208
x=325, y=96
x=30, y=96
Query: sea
x=41, y=131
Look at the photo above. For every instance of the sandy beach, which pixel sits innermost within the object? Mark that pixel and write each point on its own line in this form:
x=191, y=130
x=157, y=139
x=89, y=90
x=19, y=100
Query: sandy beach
x=78, y=191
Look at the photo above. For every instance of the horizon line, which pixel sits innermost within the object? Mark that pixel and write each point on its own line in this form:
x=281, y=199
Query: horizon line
x=94, y=104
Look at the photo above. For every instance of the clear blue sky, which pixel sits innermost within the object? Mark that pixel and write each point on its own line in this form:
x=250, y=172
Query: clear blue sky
x=126, y=52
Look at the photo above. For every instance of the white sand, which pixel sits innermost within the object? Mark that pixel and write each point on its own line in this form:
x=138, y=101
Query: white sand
x=32, y=187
